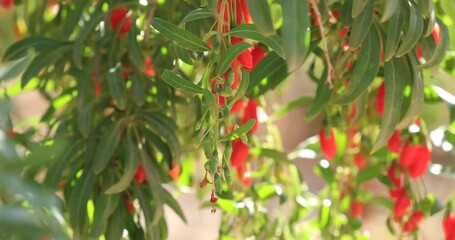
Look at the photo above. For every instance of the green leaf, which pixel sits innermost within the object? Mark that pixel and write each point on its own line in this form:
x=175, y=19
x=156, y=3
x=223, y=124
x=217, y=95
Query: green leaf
x=104, y=208
x=368, y=173
x=134, y=50
x=360, y=26
x=425, y=6
x=117, y=87
x=42, y=60
x=78, y=47
x=295, y=27
x=301, y=102
x=138, y=89
x=14, y=68
x=38, y=43
x=173, y=204
x=154, y=183
x=77, y=204
x=246, y=127
x=439, y=52
x=267, y=68
x=244, y=83
x=357, y=7
x=365, y=69
x=84, y=119
x=323, y=94
x=260, y=13
x=179, y=36
x=130, y=165
x=180, y=83
x=107, y=145
x=183, y=54
x=417, y=93
x=116, y=224
x=250, y=31
x=230, y=55
x=346, y=13
x=209, y=99
x=389, y=9
x=196, y=14
x=394, y=88
x=394, y=32
x=413, y=33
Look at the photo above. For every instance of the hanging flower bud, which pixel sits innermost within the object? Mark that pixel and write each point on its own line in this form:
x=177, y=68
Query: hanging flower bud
x=117, y=16
x=140, y=175
x=245, y=58
x=394, y=175
x=435, y=33
x=242, y=12
x=412, y=223
x=394, y=143
x=449, y=227
x=328, y=145
x=360, y=161
x=356, y=208
x=408, y=154
x=239, y=152
x=175, y=171
x=401, y=205
x=380, y=99
x=251, y=112
x=421, y=162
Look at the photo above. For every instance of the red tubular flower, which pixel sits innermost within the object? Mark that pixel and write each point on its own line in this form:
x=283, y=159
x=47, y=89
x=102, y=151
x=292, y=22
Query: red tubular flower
x=239, y=153
x=6, y=3
x=413, y=222
x=140, y=175
x=380, y=99
x=244, y=175
x=394, y=175
x=149, y=68
x=435, y=33
x=449, y=227
x=245, y=58
x=394, y=143
x=401, y=205
x=419, y=52
x=129, y=205
x=175, y=172
x=238, y=106
x=227, y=8
x=117, y=16
x=408, y=154
x=328, y=145
x=343, y=32
x=360, y=161
x=421, y=162
x=251, y=112
x=242, y=12
x=257, y=54
x=356, y=208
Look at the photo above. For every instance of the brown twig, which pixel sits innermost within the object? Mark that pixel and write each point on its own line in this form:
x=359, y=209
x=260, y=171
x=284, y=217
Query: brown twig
x=149, y=21
x=314, y=5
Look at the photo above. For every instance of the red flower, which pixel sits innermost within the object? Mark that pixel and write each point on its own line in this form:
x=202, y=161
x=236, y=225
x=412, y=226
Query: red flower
x=360, y=161
x=394, y=175
x=242, y=12
x=449, y=227
x=239, y=153
x=140, y=175
x=419, y=52
x=11, y=133
x=380, y=99
x=257, y=53
x=408, y=154
x=420, y=163
x=413, y=221
x=356, y=208
x=238, y=106
x=129, y=205
x=245, y=58
x=175, y=172
x=244, y=175
x=394, y=143
x=6, y=3
x=117, y=16
x=328, y=145
x=149, y=68
x=435, y=33
x=401, y=205
x=343, y=32
x=251, y=112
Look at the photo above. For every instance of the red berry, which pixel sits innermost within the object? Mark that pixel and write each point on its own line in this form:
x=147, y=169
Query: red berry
x=117, y=16
x=356, y=208
x=328, y=145
x=380, y=99
x=394, y=143
x=140, y=175
x=413, y=222
x=239, y=153
x=449, y=227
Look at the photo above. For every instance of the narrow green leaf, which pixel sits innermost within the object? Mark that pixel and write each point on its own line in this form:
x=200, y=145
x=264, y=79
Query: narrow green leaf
x=38, y=43
x=107, y=145
x=134, y=50
x=240, y=131
x=78, y=47
x=209, y=99
x=250, y=31
x=360, y=26
x=413, y=33
x=346, y=13
x=173, y=204
x=183, y=54
x=244, y=83
x=389, y=9
x=104, y=208
x=14, y=68
x=295, y=28
x=394, y=32
x=368, y=173
x=138, y=89
x=357, y=7
x=365, y=69
x=230, y=55
x=270, y=64
x=42, y=60
x=116, y=224
x=180, y=83
x=301, y=102
x=260, y=13
x=129, y=168
x=425, y=6
x=117, y=87
x=84, y=119
x=196, y=14
x=394, y=87
x=417, y=93
x=154, y=183
x=323, y=94
x=179, y=36
x=441, y=48
x=78, y=202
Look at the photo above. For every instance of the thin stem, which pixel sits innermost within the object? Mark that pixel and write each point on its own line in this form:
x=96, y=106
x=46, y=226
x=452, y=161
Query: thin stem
x=324, y=43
